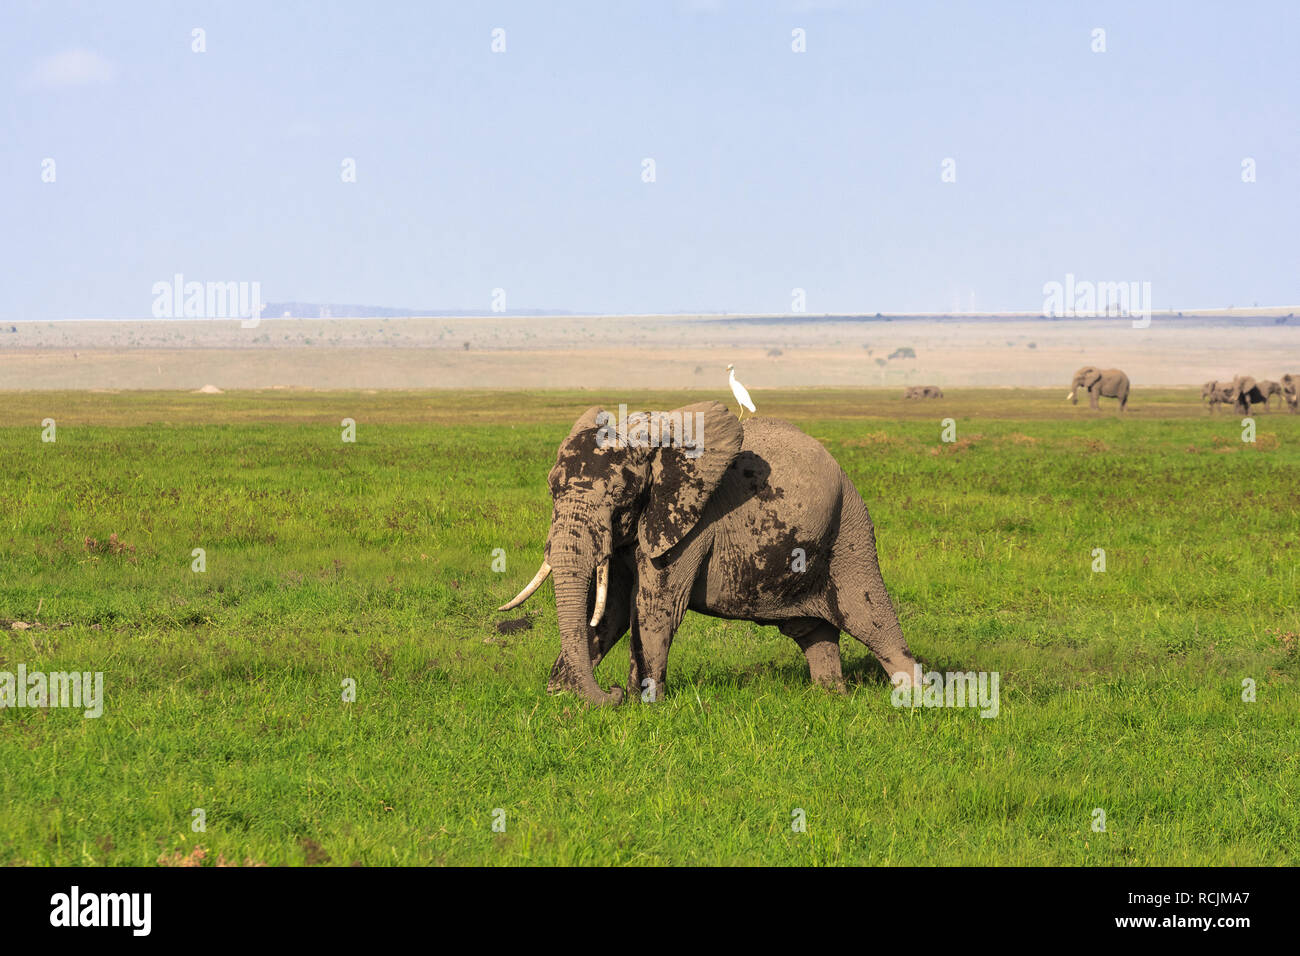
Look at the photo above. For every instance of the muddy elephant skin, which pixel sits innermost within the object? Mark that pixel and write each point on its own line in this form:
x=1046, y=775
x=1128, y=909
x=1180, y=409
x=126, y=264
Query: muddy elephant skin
x=761, y=525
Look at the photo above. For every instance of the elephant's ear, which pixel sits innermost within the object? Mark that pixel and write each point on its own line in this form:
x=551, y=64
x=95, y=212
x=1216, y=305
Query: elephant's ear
x=1094, y=376
x=685, y=472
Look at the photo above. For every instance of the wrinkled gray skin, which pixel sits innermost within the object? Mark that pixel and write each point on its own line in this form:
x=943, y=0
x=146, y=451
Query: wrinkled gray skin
x=1291, y=391
x=1243, y=392
x=923, y=391
x=1098, y=382
x=714, y=534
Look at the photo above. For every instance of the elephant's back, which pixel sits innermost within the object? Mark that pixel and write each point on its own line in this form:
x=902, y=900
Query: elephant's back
x=783, y=477
x=778, y=439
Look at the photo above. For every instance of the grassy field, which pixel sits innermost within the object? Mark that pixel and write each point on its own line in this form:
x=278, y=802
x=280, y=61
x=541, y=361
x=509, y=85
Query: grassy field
x=372, y=561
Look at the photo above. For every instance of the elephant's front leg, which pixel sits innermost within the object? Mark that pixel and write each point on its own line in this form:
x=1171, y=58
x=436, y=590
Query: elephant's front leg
x=639, y=681
x=658, y=612
x=1093, y=395
x=652, y=637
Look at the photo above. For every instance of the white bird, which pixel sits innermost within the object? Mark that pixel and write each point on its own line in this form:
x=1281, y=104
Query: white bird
x=741, y=393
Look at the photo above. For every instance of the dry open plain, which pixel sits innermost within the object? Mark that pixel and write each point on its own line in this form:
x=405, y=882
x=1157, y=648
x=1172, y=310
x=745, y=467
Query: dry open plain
x=642, y=352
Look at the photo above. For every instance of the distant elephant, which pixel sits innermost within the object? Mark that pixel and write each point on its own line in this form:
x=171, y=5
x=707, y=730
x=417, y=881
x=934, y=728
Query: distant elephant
x=1291, y=391
x=923, y=391
x=1244, y=392
x=1268, y=388
x=1217, y=393
x=761, y=525
x=1107, y=383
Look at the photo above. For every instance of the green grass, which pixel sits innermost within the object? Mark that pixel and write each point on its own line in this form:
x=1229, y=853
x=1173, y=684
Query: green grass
x=372, y=561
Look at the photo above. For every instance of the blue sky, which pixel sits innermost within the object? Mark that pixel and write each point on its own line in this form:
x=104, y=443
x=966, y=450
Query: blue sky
x=522, y=170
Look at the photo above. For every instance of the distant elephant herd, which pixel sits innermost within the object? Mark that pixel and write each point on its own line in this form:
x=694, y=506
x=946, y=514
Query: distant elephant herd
x=1244, y=391
x=1241, y=392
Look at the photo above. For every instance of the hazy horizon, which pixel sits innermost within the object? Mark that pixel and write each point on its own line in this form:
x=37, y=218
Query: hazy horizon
x=1270, y=312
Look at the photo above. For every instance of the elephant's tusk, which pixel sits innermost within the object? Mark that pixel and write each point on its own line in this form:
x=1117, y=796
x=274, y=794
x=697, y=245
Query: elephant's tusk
x=528, y=590
x=1070, y=396
x=602, y=591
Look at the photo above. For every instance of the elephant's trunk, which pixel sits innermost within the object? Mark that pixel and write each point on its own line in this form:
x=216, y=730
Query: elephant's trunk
x=579, y=542
x=571, y=589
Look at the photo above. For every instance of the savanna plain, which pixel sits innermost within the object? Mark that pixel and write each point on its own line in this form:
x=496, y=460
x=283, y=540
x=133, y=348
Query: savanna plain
x=372, y=561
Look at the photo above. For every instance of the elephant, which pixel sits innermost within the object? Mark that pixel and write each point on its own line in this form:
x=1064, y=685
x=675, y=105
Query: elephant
x=760, y=524
x=1108, y=383
x=1268, y=388
x=1291, y=391
x=923, y=391
x=1216, y=393
x=1244, y=392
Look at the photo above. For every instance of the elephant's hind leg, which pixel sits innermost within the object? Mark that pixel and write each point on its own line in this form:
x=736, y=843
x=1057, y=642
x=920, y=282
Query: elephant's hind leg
x=820, y=643
x=876, y=627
